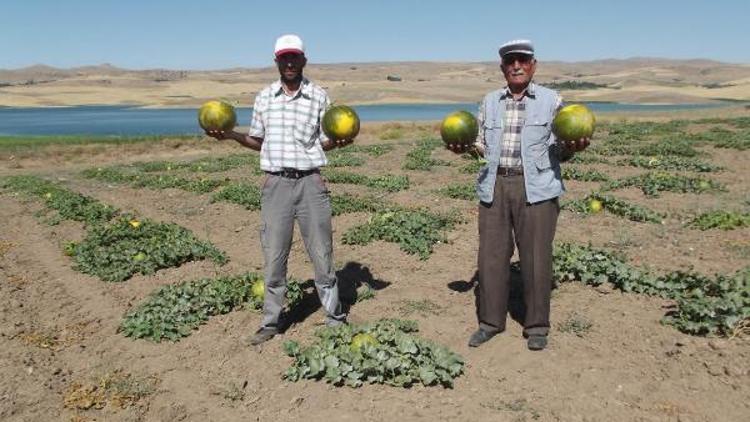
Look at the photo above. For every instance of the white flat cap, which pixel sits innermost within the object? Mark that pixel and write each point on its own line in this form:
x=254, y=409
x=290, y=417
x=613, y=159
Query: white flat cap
x=517, y=46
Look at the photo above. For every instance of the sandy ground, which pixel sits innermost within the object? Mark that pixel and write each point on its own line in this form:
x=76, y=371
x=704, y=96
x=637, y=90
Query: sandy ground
x=629, y=81
x=627, y=367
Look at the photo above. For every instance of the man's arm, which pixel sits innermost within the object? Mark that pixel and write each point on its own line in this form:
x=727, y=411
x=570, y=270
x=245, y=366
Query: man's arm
x=247, y=141
x=252, y=140
x=480, y=144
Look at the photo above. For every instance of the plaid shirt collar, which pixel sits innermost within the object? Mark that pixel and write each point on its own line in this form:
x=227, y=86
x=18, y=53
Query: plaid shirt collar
x=305, y=89
x=530, y=91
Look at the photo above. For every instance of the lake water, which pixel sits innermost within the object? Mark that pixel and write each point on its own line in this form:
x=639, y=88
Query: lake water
x=131, y=121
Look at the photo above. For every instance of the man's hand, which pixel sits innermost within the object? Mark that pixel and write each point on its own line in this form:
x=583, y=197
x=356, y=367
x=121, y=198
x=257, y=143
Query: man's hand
x=342, y=142
x=577, y=145
x=217, y=134
x=339, y=143
x=460, y=148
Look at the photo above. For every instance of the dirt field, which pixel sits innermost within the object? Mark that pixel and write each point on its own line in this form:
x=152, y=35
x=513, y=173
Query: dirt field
x=58, y=327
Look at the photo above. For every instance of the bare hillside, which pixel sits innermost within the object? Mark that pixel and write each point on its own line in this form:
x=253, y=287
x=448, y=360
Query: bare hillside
x=637, y=80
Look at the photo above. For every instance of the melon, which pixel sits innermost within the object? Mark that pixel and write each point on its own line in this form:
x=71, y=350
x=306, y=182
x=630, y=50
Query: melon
x=362, y=339
x=217, y=115
x=573, y=122
x=340, y=122
x=595, y=205
x=460, y=127
x=258, y=289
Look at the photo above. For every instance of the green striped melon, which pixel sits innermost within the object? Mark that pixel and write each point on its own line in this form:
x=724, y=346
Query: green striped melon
x=573, y=122
x=217, y=115
x=460, y=127
x=340, y=122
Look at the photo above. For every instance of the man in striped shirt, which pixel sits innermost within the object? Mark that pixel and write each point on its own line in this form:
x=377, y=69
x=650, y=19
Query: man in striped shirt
x=285, y=128
x=518, y=191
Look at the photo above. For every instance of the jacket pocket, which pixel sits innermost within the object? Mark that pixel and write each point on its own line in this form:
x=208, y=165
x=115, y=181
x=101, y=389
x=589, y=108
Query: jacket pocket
x=543, y=163
x=537, y=130
x=492, y=136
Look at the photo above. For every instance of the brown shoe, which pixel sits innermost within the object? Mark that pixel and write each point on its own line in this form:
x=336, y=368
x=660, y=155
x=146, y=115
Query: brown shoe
x=263, y=335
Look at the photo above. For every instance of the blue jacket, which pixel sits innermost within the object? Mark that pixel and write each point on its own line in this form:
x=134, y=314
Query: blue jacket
x=539, y=148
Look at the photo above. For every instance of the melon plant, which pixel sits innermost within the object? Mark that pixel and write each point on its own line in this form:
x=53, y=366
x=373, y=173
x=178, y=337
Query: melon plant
x=67, y=204
x=655, y=182
x=388, y=182
x=596, y=202
x=120, y=249
x=582, y=175
x=703, y=305
x=420, y=158
x=387, y=351
x=720, y=219
x=241, y=193
x=416, y=231
x=177, y=310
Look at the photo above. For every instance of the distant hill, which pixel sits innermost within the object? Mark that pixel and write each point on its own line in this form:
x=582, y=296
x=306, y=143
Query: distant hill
x=632, y=80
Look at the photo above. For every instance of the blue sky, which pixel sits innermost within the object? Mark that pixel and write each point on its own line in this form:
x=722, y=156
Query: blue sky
x=214, y=34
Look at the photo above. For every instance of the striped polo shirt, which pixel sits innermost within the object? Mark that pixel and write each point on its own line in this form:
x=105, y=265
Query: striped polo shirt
x=290, y=126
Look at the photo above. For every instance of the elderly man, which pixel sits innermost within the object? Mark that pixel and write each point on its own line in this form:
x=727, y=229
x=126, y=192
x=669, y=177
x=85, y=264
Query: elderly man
x=285, y=128
x=518, y=191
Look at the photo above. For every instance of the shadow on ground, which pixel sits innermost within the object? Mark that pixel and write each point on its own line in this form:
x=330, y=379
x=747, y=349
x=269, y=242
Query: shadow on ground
x=353, y=278
x=516, y=306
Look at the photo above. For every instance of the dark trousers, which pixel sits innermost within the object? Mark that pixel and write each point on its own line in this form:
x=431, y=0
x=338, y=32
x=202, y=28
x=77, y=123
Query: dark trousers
x=507, y=220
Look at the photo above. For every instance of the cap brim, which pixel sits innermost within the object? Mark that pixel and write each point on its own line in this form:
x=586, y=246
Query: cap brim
x=526, y=52
x=289, y=50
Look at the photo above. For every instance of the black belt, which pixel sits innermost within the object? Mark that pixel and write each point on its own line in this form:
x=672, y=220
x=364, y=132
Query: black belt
x=293, y=173
x=509, y=171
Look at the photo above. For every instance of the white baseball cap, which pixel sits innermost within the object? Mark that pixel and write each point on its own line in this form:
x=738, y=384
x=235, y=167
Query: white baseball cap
x=288, y=43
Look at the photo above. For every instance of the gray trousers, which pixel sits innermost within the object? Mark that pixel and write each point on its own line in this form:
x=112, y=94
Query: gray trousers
x=307, y=200
x=532, y=226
